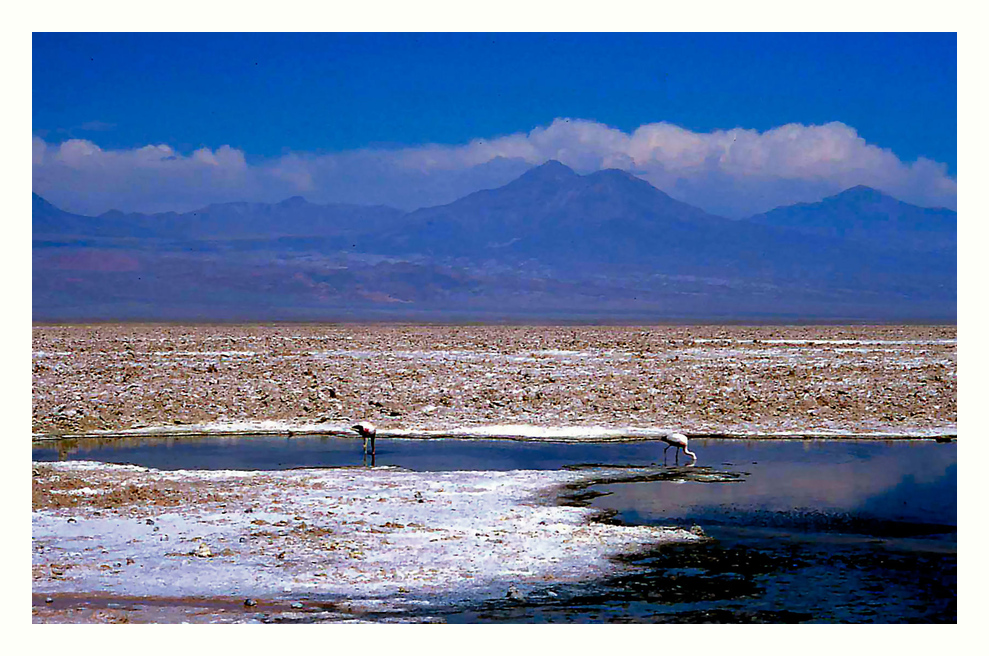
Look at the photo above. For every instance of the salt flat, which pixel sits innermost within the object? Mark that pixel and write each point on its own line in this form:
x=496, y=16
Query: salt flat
x=347, y=542
x=359, y=539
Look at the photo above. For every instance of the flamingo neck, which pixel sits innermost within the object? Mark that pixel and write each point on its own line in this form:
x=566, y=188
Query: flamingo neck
x=690, y=453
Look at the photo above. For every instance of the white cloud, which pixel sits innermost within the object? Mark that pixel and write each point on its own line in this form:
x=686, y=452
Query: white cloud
x=294, y=170
x=734, y=172
x=79, y=176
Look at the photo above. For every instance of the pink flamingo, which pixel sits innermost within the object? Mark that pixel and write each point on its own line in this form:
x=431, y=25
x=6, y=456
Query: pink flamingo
x=366, y=430
x=679, y=441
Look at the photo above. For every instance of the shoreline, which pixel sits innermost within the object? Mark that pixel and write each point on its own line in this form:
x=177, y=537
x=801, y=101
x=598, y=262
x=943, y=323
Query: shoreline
x=518, y=432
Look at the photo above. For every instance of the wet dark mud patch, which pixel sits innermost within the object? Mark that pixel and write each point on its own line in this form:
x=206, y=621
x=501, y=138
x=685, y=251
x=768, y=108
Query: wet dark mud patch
x=723, y=581
x=581, y=494
x=673, y=583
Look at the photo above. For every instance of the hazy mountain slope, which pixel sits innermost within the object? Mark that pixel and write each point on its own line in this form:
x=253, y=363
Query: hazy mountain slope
x=552, y=242
x=550, y=212
x=291, y=217
x=871, y=217
x=613, y=221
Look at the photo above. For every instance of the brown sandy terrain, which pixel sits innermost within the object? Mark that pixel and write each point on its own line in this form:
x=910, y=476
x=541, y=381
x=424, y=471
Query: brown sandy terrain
x=698, y=379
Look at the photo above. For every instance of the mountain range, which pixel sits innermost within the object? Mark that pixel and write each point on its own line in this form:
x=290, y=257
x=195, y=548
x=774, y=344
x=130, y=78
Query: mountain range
x=549, y=245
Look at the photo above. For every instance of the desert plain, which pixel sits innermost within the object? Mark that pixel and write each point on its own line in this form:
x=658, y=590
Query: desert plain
x=118, y=543
x=696, y=379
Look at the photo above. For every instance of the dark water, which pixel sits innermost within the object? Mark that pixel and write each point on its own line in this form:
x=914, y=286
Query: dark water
x=279, y=452
x=811, y=531
x=849, y=531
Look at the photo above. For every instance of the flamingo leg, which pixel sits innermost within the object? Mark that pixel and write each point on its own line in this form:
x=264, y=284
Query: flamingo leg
x=664, y=452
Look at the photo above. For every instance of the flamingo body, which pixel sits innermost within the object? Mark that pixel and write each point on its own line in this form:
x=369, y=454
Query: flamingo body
x=679, y=441
x=366, y=430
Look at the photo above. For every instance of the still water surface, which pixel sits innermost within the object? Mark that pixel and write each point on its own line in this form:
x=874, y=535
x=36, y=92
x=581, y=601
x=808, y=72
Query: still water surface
x=817, y=532
x=812, y=531
x=280, y=452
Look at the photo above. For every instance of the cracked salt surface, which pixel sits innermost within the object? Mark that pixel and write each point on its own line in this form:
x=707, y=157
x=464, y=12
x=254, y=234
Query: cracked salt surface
x=372, y=538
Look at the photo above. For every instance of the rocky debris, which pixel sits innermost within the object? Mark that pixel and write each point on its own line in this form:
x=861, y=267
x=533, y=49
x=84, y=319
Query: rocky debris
x=698, y=378
x=71, y=490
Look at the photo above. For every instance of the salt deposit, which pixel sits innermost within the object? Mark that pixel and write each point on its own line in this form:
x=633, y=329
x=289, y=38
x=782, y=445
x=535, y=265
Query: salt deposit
x=366, y=537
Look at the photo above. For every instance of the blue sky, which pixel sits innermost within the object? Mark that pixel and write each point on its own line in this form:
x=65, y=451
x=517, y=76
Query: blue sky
x=288, y=104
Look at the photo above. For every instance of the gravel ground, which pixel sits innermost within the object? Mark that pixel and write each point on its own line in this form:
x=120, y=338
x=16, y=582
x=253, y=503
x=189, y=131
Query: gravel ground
x=697, y=379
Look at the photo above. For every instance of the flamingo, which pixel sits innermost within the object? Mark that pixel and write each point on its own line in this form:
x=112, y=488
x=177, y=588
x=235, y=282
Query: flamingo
x=366, y=430
x=678, y=440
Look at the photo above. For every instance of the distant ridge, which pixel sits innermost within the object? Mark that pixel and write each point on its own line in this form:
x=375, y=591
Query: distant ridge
x=866, y=215
x=292, y=217
x=549, y=243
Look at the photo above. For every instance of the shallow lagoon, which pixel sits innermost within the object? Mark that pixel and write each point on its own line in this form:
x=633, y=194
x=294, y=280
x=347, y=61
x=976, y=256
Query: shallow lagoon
x=812, y=531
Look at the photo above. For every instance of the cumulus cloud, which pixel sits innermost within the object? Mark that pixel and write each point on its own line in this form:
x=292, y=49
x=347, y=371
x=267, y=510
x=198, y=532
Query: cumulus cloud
x=734, y=173
x=79, y=176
